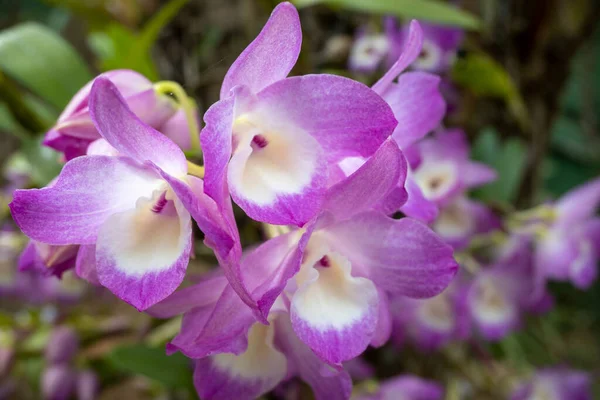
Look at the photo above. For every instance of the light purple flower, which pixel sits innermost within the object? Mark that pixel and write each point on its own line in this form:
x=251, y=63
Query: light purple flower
x=406, y=387
x=442, y=171
x=274, y=142
x=432, y=323
x=133, y=209
x=334, y=269
x=557, y=383
x=570, y=249
x=368, y=51
x=237, y=356
x=460, y=219
x=75, y=129
x=440, y=46
x=500, y=295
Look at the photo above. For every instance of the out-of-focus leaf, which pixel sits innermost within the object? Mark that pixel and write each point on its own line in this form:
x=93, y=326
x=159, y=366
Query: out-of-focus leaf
x=43, y=62
x=507, y=158
x=8, y=123
x=120, y=47
x=569, y=139
x=563, y=174
x=172, y=371
x=428, y=10
x=483, y=76
x=43, y=161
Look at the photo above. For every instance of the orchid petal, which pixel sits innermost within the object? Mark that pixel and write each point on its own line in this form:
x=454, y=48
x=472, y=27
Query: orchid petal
x=334, y=313
x=271, y=56
x=392, y=250
x=142, y=254
x=410, y=52
x=335, y=385
x=71, y=211
x=418, y=106
x=580, y=203
x=202, y=294
x=417, y=206
x=344, y=116
x=85, y=266
x=215, y=328
x=128, y=134
x=247, y=375
x=369, y=185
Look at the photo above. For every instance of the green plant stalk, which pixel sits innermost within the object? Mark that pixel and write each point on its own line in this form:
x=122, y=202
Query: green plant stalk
x=165, y=87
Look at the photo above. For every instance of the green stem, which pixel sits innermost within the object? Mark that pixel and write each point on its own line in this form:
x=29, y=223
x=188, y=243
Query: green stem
x=165, y=87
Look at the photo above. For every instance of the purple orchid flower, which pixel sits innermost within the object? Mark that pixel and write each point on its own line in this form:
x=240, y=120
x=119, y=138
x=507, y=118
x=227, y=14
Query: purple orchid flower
x=368, y=51
x=130, y=213
x=274, y=142
x=406, y=387
x=75, y=130
x=442, y=171
x=570, y=250
x=222, y=334
x=440, y=46
x=58, y=382
x=500, y=295
x=432, y=323
x=418, y=106
x=461, y=219
x=343, y=260
x=557, y=383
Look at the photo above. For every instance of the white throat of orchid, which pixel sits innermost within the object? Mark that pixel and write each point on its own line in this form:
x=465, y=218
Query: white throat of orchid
x=455, y=220
x=490, y=304
x=150, y=237
x=270, y=160
x=368, y=51
x=261, y=360
x=429, y=58
x=328, y=296
x=437, y=312
x=436, y=179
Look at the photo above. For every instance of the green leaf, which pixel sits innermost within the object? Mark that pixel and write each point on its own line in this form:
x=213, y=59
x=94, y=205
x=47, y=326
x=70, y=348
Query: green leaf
x=483, y=76
x=43, y=62
x=428, y=10
x=119, y=47
x=172, y=371
x=508, y=159
x=568, y=138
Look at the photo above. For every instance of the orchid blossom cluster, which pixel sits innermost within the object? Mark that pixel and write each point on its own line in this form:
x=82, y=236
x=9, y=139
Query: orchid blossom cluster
x=361, y=211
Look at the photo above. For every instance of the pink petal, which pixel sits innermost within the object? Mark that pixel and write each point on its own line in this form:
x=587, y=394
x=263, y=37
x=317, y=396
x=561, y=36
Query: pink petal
x=142, y=254
x=87, y=192
x=128, y=134
x=369, y=185
x=418, y=106
x=271, y=56
x=402, y=256
x=410, y=52
x=345, y=116
x=334, y=385
x=333, y=312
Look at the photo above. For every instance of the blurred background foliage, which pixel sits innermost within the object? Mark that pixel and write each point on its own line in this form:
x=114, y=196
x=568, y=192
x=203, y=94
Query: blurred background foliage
x=530, y=78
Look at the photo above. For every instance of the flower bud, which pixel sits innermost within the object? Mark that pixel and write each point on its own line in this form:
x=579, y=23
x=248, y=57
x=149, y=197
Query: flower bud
x=62, y=346
x=75, y=129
